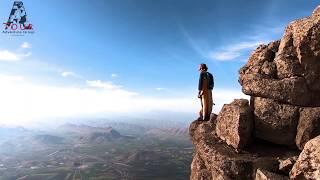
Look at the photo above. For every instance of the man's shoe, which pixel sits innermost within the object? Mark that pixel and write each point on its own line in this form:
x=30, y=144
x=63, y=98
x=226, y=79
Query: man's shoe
x=206, y=119
x=199, y=118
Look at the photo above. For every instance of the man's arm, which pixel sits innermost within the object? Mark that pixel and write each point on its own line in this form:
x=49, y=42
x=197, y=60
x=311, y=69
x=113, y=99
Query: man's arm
x=200, y=82
x=200, y=85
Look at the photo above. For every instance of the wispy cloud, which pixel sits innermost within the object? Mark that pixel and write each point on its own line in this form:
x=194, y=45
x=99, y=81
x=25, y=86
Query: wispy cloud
x=16, y=55
x=109, y=86
x=9, y=56
x=25, y=45
x=102, y=84
x=160, y=89
x=114, y=75
x=240, y=45
x=224, y=55
x=193, y=43
x=234, y=51
x=70, y=74
x=27, y=54
x=10, y=78
x=6, y=55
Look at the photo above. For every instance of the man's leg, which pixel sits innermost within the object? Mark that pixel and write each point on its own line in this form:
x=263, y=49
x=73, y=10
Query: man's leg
x=206, y=105
x=210, y=102
x=201, y=109
x=200, y=112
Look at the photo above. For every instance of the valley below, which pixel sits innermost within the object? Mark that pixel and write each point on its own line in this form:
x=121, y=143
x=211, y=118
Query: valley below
x=80, y=151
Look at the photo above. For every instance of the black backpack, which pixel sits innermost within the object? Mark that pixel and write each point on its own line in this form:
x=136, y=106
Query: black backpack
x=210, y=80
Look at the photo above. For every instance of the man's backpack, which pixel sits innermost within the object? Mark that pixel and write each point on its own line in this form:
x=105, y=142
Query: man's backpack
x=210, y=80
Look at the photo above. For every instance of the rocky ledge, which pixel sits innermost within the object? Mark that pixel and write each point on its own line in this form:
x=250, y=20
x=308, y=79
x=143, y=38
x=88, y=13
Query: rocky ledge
x=275, y=135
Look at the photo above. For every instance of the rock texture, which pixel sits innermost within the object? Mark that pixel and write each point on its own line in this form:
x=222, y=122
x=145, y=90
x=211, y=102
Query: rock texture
x=309, y=126
x=215, y=160
x=235, y=123
x=287, y=70
x=199, y=170
x=283, y=80
x=262, y=139
x=308, y=163
x=275, y=122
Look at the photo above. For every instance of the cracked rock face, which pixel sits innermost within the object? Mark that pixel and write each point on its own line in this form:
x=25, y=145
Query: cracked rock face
x=309, y=126
x=275, y=122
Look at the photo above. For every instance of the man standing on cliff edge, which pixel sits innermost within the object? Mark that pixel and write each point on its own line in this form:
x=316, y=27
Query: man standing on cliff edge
x=205, y=87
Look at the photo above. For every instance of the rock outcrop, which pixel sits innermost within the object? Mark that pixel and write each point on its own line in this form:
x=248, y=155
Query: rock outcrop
x=262, y=139
x=287, y=70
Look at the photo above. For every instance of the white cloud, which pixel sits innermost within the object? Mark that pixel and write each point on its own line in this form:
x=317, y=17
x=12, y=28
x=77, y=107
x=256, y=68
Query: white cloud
x=225, y=96
x=23, y=102
x=224, y=55
x=10, y=78
x=6, y=55
x=10, y=56
x=102, y=84
x=242, y=45
x=25, y=45
x=160, y=89
x=234, y=51
x=114, y=75
x=27, y=54
x=69, y=74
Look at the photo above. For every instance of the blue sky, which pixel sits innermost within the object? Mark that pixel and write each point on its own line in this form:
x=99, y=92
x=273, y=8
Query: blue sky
x=148, y=50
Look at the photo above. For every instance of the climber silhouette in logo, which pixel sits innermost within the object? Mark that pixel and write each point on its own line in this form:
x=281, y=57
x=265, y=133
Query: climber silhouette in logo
x=206, y=84
x=18, y=16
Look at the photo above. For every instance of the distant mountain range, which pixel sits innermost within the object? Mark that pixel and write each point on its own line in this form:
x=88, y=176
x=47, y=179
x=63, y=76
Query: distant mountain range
x=48, y=139
x=167, y=133
x=90, y=134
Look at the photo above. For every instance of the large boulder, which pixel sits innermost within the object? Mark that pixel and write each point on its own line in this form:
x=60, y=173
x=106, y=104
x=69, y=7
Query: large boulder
x=287, y=70
x=308, y=163
x=291, y=90
x=261, y=61
x=308, y=127
x=275, y=122
x=235, y=123
x=199, y=128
